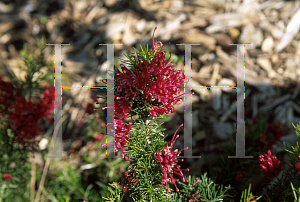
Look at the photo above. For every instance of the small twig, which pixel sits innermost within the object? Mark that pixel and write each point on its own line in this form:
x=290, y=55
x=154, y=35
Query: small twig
x=32, y=184
x=37, y=198
x=51, y=197
x=41, y=186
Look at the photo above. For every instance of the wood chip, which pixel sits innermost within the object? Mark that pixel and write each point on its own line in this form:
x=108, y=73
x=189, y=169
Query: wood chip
x=267, y=44
x=291, y=30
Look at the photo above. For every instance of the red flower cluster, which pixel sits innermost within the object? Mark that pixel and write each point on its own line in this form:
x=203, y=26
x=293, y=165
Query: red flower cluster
x=98, y=136
x=271, y=166
x=8, y=177
x=166, y=86
x=154, y=82
x=121, y=135
x=277, y=131
x=47, y=102
x=26, y=114
x=169, y=165
x=298, y=165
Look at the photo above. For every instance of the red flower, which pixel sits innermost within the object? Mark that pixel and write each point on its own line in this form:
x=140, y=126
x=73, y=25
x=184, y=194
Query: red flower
x=98, y=136
x=298, y=166
x=238, y=176
x=8, y=177
x=271, y=166
x=154, y=111
x=121, y=134
x=277, y=131
x=152, y=80
x=165, y=87
x=169, y=165
x=25, y=116
x=47, y=103
x=125, y=156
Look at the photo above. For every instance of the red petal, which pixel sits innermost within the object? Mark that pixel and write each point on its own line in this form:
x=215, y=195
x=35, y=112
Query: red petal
x=298, y=167
x=279, y=166
x=8, y=177
x=238, y=176
x=158, y=156
x=269, y=152
x=162, y=167
x=264, y=167
x=271, y=166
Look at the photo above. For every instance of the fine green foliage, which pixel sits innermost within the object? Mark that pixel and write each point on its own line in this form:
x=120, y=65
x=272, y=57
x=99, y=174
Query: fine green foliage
x=69, y=185
x=143, y=165
x=296, y=193
x=247, y=196
x=297, y=128
x=13, y=161
x=36, y=68
x=204, y=189
x=135, y=60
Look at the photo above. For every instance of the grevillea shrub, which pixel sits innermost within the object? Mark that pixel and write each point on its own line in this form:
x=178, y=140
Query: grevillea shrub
x=150, y=87
x=24, y=103
x=146, y=90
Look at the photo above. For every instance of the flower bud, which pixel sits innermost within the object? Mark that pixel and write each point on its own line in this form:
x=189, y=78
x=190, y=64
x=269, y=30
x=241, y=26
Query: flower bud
x=271, y=166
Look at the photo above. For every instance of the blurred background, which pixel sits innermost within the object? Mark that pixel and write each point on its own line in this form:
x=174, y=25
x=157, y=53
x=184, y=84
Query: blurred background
x=272, y=72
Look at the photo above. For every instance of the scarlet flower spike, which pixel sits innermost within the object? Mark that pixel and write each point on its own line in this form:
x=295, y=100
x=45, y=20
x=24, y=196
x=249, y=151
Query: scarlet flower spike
x=169, y=165
x=121, y=133
x=271, y=166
